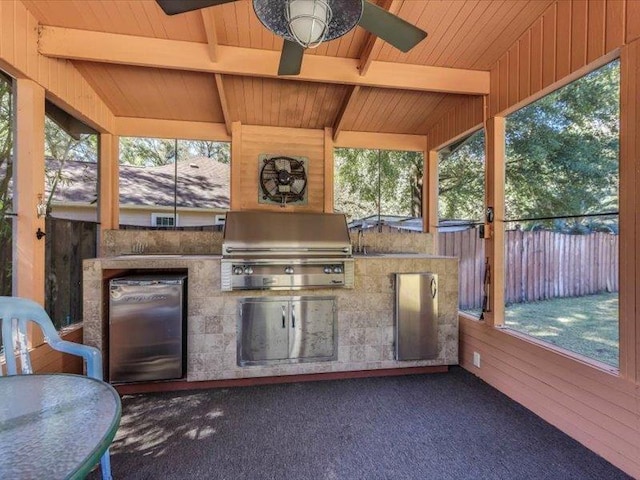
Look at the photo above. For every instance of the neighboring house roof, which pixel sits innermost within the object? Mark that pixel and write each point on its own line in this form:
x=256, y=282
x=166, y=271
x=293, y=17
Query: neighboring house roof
x=202, y=183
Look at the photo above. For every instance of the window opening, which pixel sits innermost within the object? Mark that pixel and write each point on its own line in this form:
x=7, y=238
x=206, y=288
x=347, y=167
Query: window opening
x=379, y=188
x=182, y=179
x=71, y=222
x=461, y=192
x=562, y=223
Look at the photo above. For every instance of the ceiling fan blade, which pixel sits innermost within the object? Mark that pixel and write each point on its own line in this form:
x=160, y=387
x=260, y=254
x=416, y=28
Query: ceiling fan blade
x=291, y=58
x=172, y=7
x=391, y=28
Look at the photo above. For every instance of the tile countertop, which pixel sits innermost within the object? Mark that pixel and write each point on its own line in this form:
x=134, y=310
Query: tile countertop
x=365, y=313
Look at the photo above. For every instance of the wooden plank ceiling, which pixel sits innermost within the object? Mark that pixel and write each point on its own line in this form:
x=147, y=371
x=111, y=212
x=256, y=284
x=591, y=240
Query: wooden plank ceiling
x=468, y=34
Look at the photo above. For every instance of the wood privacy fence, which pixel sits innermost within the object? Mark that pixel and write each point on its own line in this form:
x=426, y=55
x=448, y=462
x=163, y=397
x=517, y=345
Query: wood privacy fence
x=68, y=243
x=538, y=265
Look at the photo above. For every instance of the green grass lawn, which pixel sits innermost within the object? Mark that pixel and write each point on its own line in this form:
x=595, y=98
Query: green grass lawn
x=586, y=325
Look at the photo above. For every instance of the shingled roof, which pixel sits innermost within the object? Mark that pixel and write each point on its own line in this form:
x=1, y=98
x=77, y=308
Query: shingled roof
x=202, y=183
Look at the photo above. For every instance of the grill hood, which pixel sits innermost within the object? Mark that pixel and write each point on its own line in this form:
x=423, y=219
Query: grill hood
x=267, y=234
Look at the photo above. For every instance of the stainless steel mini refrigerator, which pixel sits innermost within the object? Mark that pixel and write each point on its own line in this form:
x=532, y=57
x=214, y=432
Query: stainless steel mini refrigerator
x=147, y=337
x=416, y=312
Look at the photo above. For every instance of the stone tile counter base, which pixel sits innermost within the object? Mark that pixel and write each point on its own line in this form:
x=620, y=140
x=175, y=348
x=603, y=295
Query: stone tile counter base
x=365, y=314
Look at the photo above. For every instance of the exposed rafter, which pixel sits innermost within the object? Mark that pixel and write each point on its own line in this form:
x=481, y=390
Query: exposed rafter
x=373, y=44
x=210, y=29
x=161, y=53
x=223, y=102
x=348, y=102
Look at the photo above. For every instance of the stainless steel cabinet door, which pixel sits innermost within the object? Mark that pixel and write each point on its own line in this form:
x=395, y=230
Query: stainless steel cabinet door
x=265, y=331
x=313, y=329
x=416, y=329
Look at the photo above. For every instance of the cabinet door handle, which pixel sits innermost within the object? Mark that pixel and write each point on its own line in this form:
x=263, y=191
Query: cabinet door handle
x=284, y=316
x=293, y=317
x=434, y=288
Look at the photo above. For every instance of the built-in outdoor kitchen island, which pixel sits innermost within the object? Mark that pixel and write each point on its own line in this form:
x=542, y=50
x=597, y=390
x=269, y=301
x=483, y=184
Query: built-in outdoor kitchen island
x=364, y=314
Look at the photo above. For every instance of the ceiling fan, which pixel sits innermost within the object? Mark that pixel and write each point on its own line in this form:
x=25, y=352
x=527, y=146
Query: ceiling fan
x=307, y=23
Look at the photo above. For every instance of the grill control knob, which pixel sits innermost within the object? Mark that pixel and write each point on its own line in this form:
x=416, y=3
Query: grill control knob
x=337, y=269
x=237, y=270
x=288, y=270
x=327, y=269
x=248, y=270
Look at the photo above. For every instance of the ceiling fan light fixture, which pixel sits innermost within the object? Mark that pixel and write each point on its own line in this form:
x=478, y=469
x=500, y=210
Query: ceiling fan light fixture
x=308, y=21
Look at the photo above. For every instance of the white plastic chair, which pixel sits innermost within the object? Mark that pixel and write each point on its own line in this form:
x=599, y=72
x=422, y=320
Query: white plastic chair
x=15, y=313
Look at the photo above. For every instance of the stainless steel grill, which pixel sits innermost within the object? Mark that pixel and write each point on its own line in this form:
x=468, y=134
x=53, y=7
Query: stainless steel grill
x=286, y=251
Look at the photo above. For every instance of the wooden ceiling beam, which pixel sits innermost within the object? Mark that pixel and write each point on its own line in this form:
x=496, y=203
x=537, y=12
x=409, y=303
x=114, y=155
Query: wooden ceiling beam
x=103, y=47
x=223, y=102
x=373, y=44
x=348, y=102
x=208, y=21
x=158, y=128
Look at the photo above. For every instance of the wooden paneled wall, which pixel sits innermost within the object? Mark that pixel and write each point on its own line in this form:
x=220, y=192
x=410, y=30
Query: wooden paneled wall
x=597, y=408
x=256, y=140
x=465, y=117
x=20, y=58
x=44, y=359
x=562, y=44
x=595, y=404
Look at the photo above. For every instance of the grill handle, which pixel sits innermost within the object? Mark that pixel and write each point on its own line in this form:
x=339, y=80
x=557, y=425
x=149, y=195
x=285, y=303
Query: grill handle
x=283, y=249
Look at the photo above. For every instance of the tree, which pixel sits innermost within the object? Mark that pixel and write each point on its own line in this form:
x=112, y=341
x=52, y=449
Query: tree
x=378, y=181
x=220, y=151
x=461, y=179
x=60, y=147
x=6, y=171
x=152, y=152
x=562, y=150
x=561, y=157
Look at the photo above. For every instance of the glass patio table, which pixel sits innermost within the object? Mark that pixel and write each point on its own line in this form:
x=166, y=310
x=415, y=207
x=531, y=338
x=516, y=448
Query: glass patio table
x=55, y=426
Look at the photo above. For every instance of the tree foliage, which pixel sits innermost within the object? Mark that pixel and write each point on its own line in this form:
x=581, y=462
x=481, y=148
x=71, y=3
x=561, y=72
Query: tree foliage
x=562, y=150
x=61, y=147
x=461, y=179
x=561, y=157
x=6, y=170
x=369, y=182
x=151, y=152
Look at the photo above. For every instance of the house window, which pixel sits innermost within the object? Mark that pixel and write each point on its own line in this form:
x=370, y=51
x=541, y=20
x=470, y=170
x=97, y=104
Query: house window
x=379, y=187
x=461, y=187
x=187, y=176
x=163, y=221
x=561, y=197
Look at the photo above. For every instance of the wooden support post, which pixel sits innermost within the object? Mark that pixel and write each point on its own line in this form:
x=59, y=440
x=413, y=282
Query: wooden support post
x=494, y=198
x=236, y=162
x=109, y=185
x=430, y=196
x=629, y=197
x=328, y=170
x=28, y=250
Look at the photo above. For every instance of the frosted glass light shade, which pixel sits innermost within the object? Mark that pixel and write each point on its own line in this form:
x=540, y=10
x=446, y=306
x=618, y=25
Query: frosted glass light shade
x=308, y=21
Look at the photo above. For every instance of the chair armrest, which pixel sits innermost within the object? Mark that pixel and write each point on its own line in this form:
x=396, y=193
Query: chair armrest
x=91, y=355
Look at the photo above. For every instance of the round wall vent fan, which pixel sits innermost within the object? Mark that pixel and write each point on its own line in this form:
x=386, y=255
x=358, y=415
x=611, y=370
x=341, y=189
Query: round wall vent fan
x=282, y=180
